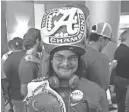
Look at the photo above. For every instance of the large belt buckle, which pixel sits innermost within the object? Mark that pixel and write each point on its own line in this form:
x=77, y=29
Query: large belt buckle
x=39, y=90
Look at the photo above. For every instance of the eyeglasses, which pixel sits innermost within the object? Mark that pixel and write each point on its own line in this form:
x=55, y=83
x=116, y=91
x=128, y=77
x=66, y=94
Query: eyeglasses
x=62, y=58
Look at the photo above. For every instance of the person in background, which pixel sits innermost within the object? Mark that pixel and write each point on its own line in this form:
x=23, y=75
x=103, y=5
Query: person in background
x=10, y=67
x=29, y=64
x=4, y=90
x=5, y=84
x=10, y=50
x=127, y=100
x=98, y=69
x=121, y=80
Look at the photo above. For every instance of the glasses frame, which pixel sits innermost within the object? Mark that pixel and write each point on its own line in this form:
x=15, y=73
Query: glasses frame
x=62, y=58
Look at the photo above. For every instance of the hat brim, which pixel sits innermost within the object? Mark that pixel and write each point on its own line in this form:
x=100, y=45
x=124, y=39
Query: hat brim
x=76, y=49
x=112, y=40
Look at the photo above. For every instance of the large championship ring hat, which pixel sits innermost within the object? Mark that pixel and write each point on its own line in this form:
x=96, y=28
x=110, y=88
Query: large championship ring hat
x=64, y=28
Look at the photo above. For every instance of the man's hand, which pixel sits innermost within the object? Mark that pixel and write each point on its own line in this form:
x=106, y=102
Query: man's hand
x=24, y=90
x=7, y=98
x=113, y=64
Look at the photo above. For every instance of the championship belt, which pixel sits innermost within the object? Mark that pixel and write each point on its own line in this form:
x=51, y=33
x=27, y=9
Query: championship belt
x=42, y=98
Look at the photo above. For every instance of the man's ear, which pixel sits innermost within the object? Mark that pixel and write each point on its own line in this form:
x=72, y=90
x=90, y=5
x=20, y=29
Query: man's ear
x=37, y=41
x=13, y=49
x=101, y=38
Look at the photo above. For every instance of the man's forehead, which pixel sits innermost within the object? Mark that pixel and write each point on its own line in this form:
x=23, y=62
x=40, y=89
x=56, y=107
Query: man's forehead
x=65, y=53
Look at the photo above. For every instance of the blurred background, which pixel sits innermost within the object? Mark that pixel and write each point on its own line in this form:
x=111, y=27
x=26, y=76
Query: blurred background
x=18, y=16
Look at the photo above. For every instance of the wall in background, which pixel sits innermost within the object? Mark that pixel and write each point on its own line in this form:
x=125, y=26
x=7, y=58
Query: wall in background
x=57, y=4
x=4, y=47
x=39, y=11
x=19, y=16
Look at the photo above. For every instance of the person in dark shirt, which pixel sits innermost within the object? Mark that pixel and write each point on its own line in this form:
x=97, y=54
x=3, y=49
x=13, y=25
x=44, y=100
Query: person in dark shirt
x=4, y=82
x=4, y=90
x=11, y=66
x=122, y=70
x=29, y=65
x=127, y=101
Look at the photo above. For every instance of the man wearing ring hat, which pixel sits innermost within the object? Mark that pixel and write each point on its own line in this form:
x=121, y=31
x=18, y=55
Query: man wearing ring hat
x=63, y=34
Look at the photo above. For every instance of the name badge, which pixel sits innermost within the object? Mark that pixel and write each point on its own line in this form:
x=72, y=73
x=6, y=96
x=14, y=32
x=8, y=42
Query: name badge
x=76, y=95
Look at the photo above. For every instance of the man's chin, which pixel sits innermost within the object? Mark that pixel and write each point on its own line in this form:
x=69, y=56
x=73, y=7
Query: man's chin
x=65, y=76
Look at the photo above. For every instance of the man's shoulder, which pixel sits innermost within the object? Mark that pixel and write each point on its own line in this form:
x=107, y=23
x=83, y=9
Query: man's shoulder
x=8, y=59
x=96, y=59
x=94, y=54
x=103, y=55
x=89, y=85
x=22, y=52
x=121, y=49
x=27, y=62
x=31, y=58
x=15, y=55
x=6, y=55
x=90, y=50
x=91, y=89
x=91, y=55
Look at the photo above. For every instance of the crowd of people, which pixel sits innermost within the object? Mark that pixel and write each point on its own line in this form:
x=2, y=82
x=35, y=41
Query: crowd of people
x=61, y=67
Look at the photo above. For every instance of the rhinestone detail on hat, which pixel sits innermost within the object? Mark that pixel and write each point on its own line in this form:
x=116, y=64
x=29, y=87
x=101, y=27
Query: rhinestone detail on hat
x=63, y=26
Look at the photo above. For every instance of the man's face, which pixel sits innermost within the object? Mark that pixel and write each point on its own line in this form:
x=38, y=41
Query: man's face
x=123, y=38
x=65, y=63
x=103, y=43
x=39, y=47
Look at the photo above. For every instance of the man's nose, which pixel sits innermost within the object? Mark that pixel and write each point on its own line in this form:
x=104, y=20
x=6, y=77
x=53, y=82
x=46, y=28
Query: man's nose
x=66, y=62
